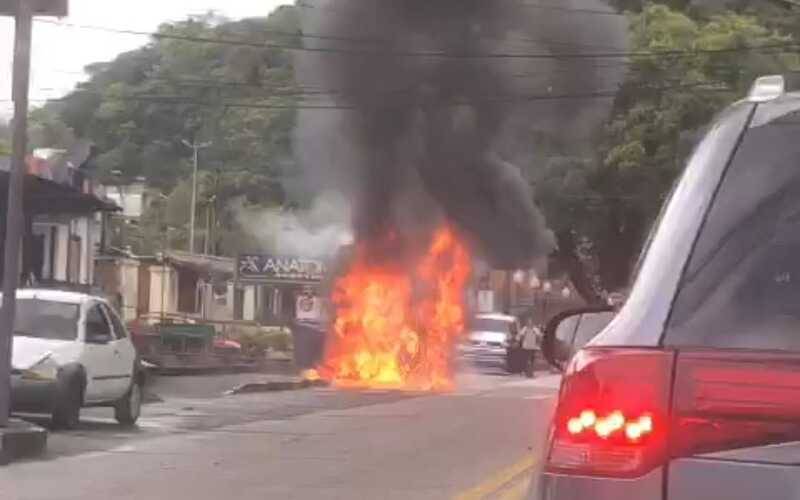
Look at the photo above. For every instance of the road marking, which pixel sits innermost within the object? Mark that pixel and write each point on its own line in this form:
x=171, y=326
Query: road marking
x=498, y=480
x=518, y=491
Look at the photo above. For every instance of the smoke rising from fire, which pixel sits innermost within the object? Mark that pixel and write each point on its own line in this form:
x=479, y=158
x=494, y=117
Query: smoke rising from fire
x=425, y=138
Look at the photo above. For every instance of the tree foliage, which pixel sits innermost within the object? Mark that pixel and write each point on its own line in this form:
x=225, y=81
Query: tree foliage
x=608, y=203
x=140, y=108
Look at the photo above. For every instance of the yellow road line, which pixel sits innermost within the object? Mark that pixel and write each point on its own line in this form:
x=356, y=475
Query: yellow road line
x=518, y=490
x=496, y=481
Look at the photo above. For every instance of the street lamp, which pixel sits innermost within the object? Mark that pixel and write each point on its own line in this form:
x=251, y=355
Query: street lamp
x=195, y=147
x=210, y=203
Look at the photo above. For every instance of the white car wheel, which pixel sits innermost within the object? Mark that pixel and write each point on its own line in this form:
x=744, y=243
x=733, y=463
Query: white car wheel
x=128, y=409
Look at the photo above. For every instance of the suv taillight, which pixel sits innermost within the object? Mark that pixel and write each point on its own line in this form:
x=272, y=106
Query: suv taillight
x=726, y=400
x=613, y=413
x=614, y=418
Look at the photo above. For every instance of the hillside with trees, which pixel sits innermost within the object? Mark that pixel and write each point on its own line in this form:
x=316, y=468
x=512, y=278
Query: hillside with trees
x=602, y=207
x=241, y=96
x=182, y=86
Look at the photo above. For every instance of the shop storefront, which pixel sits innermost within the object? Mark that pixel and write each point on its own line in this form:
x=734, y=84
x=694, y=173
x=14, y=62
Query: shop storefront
x=288, y=288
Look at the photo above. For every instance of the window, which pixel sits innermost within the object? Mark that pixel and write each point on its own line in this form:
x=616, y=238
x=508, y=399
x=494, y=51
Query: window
x=491, y=325
x=119, y=329
x=96, y=323
x=46, y=319
x=742, y=284
x=590, y=326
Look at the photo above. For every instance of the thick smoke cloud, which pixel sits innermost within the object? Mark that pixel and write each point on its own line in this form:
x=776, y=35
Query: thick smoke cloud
x=426, y=137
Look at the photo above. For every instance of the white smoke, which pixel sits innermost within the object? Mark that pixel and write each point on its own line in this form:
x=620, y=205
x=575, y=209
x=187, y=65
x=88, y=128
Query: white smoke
x=318, y=232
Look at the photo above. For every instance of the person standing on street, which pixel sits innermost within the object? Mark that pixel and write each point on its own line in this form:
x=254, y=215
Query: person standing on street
x=531, y=336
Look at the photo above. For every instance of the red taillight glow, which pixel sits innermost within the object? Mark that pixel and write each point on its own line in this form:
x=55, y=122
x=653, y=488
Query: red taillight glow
x=611, y=409
x=729, y=400
x=589, y=425
x=614, y=413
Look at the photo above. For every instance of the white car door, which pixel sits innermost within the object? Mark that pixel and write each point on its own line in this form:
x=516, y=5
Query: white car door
x=124, y=353
x=98, y=355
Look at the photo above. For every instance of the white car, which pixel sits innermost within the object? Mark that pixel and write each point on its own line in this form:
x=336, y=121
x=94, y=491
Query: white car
x=71, y=350
x=490, y=334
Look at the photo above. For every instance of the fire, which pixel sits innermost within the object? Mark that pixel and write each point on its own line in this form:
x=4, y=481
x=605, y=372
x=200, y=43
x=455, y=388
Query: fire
x=397, y=328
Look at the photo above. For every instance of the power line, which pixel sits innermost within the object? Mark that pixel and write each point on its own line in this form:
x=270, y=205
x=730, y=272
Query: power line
x=344, y=11
x=784, y=46
x=601, y=94
x=531, y=5
x=596, y=12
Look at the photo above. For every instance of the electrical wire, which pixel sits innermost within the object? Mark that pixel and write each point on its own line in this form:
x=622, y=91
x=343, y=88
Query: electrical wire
x=531, y=5
x=784, y=46
x=190, y=101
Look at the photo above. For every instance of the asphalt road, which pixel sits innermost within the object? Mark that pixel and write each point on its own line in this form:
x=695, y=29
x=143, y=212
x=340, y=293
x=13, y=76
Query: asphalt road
x=481, y=441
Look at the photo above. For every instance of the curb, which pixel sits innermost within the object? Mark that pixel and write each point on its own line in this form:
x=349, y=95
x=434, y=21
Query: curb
x=276, y=386
x=21, y=440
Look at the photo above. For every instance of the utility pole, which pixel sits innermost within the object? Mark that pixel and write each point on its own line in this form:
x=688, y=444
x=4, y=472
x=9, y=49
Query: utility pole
x=195, y=147
x=209, y=209
x=15, y=202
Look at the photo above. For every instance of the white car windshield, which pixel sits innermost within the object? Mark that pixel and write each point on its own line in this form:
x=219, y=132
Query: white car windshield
x=46, y=319
x=490, y=325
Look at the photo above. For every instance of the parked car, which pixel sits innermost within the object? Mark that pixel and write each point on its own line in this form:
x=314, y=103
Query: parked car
x=490, y=334
x=71, y=350
x=691, y=392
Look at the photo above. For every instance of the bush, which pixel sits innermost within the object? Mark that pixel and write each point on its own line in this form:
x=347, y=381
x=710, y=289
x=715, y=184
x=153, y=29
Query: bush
x=259, y=340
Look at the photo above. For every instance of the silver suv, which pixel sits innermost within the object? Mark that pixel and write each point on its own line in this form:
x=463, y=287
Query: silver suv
x=693, y=390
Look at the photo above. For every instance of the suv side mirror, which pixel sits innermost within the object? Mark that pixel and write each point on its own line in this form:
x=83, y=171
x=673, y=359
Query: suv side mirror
x=569, y=331
x=96, y=334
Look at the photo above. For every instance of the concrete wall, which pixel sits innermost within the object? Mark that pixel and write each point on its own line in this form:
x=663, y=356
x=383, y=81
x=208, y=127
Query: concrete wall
x=129, y=287
x=249, y=307
x=62, y=250
x=163, y=290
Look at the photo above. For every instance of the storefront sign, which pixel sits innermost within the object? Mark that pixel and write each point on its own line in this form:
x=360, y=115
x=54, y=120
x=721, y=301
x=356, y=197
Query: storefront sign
x=271, y=268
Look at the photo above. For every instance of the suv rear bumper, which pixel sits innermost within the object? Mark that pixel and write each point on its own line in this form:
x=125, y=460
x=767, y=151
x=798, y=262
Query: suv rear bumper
x=561, y=487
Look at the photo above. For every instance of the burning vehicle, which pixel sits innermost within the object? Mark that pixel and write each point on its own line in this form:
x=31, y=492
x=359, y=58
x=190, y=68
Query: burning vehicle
x=396, y=326
x=425, y=132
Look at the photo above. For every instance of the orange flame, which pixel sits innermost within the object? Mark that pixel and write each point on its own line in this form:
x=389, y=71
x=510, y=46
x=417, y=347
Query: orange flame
x=398, y=329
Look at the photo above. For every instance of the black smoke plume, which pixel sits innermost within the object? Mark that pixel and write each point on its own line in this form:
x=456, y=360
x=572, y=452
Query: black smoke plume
x=438, y=112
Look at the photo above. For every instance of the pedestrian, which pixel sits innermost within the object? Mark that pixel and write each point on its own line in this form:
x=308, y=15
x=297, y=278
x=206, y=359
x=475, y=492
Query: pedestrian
x=531, y=338
x=529, y=344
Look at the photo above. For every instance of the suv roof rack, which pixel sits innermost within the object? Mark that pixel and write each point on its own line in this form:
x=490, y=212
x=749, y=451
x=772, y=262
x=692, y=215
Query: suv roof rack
x=767, y=88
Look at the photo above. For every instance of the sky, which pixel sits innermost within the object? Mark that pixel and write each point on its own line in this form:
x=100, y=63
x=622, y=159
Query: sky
x=60, y=52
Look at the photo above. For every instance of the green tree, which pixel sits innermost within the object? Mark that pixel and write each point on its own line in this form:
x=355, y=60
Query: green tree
x=139, y=108
x=47, y=129
x=659, y=113
x=5, y=138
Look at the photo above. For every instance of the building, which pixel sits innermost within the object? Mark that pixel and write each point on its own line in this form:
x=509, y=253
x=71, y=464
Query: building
x=183, y=287
x=63, y=221
x=176, y=286
x=133, y=197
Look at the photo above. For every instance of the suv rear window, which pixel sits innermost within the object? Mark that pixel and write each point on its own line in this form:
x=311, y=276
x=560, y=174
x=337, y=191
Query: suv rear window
x=741, y=288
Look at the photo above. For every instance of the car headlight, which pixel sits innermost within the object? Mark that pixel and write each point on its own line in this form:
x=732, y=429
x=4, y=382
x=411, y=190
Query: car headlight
x=45, y=370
